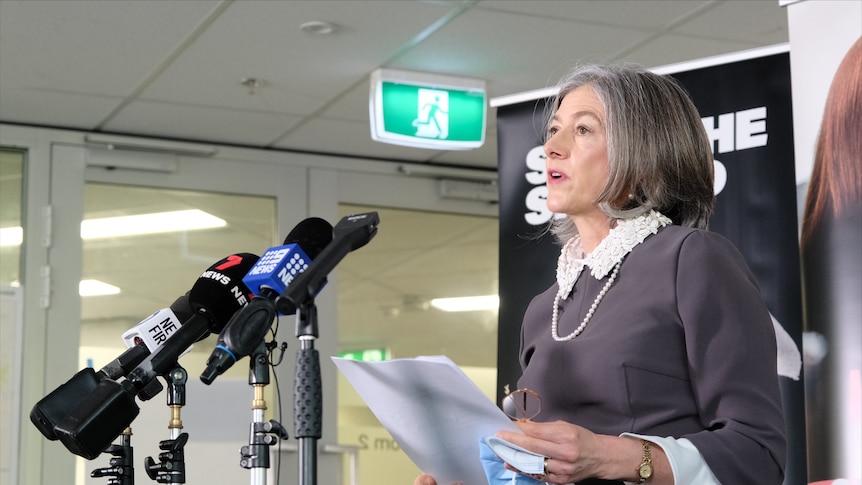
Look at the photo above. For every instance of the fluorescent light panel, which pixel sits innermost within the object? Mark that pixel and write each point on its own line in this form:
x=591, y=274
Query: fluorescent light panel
x=160, y=222
x=96, y=288
x=11, y=236
x=467, y=303
x=155, y=223
x=88, y=288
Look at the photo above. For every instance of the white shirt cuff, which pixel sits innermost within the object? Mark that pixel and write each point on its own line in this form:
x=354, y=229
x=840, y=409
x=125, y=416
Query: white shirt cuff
x=686, y=462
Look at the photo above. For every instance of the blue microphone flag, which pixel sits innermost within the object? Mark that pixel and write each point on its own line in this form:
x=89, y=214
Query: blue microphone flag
x=276, y=268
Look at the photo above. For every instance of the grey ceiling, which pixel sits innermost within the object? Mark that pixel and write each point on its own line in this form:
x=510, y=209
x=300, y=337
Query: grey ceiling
x=173, y=68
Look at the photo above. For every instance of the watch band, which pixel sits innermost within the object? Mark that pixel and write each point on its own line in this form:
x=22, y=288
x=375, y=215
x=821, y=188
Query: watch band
x=644, y=470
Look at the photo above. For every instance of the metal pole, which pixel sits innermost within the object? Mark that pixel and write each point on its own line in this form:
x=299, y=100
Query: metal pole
x=307, y=395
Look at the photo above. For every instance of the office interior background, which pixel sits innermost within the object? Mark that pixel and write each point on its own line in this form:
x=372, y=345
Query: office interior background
x=256, y=113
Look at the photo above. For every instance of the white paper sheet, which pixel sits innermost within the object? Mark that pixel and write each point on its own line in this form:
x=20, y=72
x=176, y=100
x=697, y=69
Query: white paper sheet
x=433, y=410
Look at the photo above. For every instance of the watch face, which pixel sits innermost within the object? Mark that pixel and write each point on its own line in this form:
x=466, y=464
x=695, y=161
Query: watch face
x=645, y=470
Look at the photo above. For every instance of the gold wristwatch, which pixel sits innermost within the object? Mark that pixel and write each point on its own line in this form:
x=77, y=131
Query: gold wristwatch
x=645, y=468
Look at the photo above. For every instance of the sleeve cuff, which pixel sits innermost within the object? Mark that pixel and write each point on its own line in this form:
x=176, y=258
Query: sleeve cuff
x=686, y=462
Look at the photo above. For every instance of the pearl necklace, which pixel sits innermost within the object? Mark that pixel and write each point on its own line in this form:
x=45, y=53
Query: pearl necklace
x=606, y=258
x=583, y=325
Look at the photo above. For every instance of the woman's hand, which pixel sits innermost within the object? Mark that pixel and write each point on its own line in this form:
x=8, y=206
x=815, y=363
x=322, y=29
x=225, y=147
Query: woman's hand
x=427, y=480
x=424, y=480
x=574, y=453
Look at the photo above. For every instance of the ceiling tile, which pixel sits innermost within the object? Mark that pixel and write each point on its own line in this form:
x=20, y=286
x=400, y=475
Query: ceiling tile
x=512, y=52
x=204, y=123
x=636, y=14
x=44, y=106
x=761, y=22
x=92, y=47
x=348, y=138
x=671, y=49
x=262, y=39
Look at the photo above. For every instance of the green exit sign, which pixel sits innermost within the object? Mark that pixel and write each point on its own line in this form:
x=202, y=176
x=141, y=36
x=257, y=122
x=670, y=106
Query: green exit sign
x=365, y=355
x=427, y=111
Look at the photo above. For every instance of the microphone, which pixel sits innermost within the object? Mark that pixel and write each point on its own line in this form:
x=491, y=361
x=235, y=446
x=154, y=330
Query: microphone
x=153, y=331
x=351, y=233
x=51, y=409
x=279, y=265
x=272, y=273
x=216, y=296
x=105, y=412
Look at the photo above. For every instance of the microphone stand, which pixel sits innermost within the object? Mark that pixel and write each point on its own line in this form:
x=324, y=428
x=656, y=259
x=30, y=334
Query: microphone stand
x=122, y=470
x=351, y=233
x=171, y=467
x=263, y=434
x=307, y=395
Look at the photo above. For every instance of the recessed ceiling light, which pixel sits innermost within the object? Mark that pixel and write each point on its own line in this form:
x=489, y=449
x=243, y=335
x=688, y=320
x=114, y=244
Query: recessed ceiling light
x=318, y=27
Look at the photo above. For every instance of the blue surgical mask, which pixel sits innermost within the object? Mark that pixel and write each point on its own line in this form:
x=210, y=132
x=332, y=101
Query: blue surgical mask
x=491, y=449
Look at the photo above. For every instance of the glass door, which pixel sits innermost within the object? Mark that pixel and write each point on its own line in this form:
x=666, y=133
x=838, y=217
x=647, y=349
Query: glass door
x=136, y=260
x=118, y=242
x=428, y=247
x=386, y=312
x=11, y=308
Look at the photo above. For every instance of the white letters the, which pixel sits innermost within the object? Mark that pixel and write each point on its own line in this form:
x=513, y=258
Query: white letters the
x=737, y=131
x=751, y=128
x=723, y=132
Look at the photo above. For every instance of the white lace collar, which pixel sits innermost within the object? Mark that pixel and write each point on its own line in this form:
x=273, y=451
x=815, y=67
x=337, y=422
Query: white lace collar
x=614, y=247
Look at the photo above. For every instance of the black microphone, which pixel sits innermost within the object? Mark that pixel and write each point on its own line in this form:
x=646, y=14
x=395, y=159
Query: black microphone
x=272, y=273
x=216, y=296
x=51, y=409
x=110, y=408
x=351, y=233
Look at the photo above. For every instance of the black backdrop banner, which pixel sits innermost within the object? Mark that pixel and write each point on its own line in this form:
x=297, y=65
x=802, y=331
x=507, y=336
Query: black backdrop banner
x=746, y=108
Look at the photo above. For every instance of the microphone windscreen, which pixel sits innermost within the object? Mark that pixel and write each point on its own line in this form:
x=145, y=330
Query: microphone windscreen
x=220, y=292
x=312, y=235
x=182, y=307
